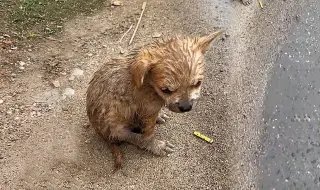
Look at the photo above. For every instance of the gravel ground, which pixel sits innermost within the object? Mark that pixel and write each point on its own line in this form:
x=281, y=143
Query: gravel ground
x=45, y=141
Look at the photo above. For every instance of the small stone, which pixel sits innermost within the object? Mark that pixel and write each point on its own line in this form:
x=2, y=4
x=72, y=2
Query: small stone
x=9, y=112
x=90, y=54
x=1, y=101
x=21, y=63
x=116, y=3
x=16, y=118
x=121, y=51
x=56, y=83
x=156, y=35
x=68, y=92
x=77, y=72
x=87, y=141
x=21, y=68
x=71, y=78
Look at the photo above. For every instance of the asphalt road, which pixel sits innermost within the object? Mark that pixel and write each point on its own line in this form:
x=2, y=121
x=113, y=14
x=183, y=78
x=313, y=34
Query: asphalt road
x=292, y=110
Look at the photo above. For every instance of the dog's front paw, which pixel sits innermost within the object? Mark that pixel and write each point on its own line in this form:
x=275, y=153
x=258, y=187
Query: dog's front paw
x=246, y=2
x=161, y=148
x=162, y=118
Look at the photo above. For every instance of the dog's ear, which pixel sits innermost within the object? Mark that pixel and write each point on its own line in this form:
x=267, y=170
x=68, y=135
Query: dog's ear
x=205, y=41
x=139, y=70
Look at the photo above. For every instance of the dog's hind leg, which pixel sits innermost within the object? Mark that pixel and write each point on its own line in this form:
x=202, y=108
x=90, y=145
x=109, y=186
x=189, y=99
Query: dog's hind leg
x=114, y=134
x=118, y=155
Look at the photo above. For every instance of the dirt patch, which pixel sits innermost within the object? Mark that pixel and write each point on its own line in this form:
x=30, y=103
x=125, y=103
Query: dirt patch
x=45, y=141
x=33, y=18
x=44, y=134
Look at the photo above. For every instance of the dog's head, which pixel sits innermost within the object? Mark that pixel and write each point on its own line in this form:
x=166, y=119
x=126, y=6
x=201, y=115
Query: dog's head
x=175, y=69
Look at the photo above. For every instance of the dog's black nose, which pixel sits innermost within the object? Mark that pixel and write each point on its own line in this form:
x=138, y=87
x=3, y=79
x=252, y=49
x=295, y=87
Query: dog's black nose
x=185, y=106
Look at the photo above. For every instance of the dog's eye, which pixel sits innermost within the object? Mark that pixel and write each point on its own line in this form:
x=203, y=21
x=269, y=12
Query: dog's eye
x=166, y=90
x=197, y=84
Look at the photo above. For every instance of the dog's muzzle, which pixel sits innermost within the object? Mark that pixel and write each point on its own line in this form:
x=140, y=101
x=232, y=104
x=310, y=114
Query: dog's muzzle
x=185, y=106
x=181, y=106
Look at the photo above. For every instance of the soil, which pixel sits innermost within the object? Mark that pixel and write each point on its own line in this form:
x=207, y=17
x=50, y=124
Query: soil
x=46, y=142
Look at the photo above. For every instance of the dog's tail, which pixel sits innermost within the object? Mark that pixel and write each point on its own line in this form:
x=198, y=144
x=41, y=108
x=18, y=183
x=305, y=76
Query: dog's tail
x=118, y=155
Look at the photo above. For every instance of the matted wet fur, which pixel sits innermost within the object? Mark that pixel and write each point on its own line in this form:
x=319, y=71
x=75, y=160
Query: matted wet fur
x=125, y=96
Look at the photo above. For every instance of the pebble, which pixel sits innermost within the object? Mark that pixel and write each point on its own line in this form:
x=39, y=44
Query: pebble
x=116, y=3
x=56, y=83
x=22, y=68
x=156, y=35
x=71, y=78
x=9, y=112
x=21, y=63
x=33, y=113
x=1, y=101
x=68, y=92
x=77, y=72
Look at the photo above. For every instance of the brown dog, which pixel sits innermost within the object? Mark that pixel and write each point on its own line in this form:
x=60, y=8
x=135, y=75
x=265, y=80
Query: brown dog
x=125, y=96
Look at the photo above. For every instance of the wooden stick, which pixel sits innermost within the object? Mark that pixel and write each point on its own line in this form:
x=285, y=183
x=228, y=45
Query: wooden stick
x=125, y=33
x=135, y=30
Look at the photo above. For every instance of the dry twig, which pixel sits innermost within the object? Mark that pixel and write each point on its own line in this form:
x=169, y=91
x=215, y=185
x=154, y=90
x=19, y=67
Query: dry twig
x=125, y=34
x=135, y=30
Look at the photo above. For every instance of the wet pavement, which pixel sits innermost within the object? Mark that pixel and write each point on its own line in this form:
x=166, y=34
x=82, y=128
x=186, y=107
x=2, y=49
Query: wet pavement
x=291, y=157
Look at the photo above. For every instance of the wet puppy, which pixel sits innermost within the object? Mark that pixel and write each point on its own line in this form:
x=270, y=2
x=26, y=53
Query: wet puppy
x=125, y=96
